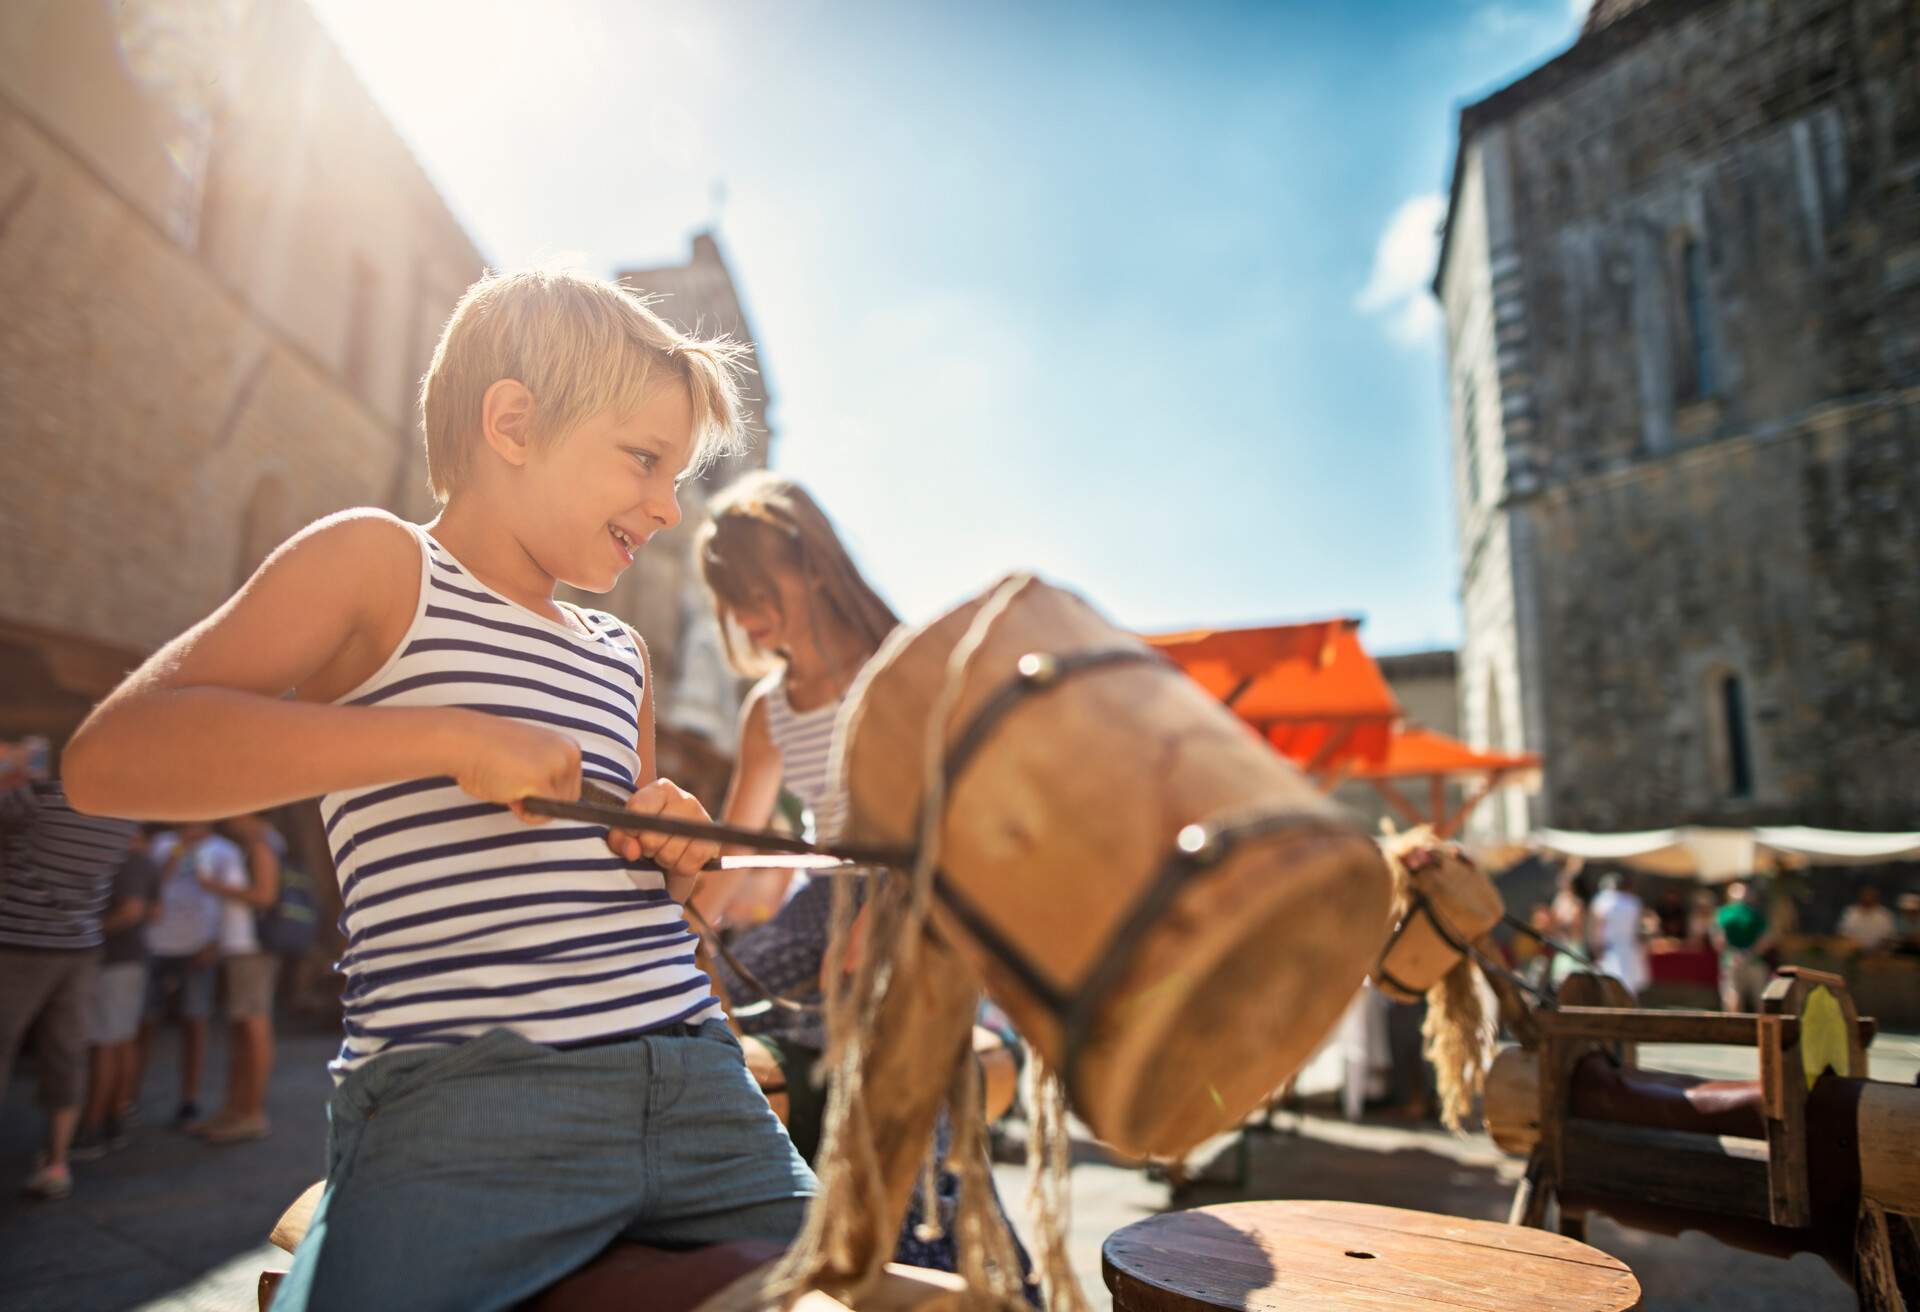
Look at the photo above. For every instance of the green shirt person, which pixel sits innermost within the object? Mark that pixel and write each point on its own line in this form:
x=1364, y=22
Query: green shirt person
x=1740, y=932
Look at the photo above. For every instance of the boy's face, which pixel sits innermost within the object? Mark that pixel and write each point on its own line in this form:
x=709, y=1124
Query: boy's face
x=596, y=494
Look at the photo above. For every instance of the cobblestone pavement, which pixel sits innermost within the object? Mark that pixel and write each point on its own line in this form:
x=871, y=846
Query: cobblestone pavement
x=174, y=1225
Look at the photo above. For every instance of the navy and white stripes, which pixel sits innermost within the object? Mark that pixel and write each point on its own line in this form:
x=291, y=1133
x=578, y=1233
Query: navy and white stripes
x=459, y=917
x=804, y=740
x=56, y=876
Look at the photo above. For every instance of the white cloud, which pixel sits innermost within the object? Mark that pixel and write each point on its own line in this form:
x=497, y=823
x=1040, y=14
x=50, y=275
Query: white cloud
x=1499, y=20
x=1402, y=267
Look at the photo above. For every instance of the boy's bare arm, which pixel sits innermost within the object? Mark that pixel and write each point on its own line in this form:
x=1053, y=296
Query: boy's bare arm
x=230, y=716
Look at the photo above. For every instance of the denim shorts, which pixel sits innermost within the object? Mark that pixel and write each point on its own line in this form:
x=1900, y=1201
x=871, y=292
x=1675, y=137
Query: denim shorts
x=475, y=1176
x=179, y=987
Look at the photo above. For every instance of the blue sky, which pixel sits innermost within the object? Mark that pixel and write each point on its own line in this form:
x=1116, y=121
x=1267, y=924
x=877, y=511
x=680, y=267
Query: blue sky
x=1131, y=295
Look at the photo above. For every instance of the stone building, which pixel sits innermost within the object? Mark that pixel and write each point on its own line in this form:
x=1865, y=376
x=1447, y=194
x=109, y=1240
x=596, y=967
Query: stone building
x=222, y=275
x=1681, y=282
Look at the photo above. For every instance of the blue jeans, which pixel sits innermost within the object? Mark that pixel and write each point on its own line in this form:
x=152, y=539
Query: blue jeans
x=475, y=1177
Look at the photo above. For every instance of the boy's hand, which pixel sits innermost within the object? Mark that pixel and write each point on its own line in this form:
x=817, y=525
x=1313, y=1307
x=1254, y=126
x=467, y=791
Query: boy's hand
x=681, y=859
x=504, y=760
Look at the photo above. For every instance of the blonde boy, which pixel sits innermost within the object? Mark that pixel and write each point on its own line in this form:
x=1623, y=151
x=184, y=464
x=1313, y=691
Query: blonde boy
x=532, y=1065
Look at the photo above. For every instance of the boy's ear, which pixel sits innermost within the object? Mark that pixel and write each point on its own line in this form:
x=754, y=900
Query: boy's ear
x=506, y=420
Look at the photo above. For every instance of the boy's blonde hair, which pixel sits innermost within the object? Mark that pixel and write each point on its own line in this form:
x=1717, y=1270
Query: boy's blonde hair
x=582, y=346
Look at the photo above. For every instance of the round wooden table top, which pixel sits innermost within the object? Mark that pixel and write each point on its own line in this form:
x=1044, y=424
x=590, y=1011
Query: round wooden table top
x=1298, y=1256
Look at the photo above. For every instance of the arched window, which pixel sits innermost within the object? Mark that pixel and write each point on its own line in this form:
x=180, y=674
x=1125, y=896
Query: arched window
x=1733, y=726
x=1694, y=264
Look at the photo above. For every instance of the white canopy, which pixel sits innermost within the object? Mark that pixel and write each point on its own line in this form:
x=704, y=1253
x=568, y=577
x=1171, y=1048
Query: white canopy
x=1718, y=855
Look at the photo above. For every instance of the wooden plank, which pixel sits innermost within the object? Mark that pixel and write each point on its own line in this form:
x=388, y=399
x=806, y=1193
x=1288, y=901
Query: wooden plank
x=1715, y=1174
x=1783, y=1093
x=1556, y=1071
x=1609, y=1024
x=1889, y=1145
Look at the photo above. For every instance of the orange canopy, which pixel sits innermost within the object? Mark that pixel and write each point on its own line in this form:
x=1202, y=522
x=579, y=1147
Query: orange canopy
x=1310, y=689
x=1413, y=752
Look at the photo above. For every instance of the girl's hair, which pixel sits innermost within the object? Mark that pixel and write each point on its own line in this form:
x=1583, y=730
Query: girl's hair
x=763, y=523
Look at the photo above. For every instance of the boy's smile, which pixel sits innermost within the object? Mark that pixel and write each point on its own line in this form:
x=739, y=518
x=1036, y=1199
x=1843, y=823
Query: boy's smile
x=614, y=478
x=576, y=507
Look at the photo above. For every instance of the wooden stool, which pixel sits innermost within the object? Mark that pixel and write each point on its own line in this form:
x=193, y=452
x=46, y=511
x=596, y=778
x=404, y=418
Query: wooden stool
x=1321, y=1257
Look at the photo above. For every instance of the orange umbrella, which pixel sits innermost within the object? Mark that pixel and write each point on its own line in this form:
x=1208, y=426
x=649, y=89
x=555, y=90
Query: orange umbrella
x=1310, y=689
x=1415, y=753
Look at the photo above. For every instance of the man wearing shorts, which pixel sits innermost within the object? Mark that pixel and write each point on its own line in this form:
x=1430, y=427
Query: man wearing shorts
x=54, y=883
x=246, y=887
x=119, y=991
x=182, y=943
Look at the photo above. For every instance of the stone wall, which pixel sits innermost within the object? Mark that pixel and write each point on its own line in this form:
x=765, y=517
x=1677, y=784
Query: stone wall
x=143, y=408
x=1698, y=232
x=1733, y=195
x=1790, y=561
x=223, y=275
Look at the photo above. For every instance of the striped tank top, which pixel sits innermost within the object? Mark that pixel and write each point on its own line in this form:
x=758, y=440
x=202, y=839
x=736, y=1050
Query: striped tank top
x=460, y=918
x=804, y=741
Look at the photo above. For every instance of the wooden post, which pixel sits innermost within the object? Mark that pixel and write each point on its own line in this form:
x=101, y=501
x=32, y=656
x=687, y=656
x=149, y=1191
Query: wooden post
x=1397, y=800
x=1807, y=1026
x=1451, y=824
x=1333, y=778
x=1529, y=1207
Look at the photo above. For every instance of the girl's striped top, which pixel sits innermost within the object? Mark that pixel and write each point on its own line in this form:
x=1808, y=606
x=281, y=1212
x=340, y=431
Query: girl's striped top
x=803, y=739
x=459, y=917
x=785, y=953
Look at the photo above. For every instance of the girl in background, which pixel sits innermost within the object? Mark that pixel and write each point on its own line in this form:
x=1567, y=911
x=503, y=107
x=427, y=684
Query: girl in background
x=795, y=610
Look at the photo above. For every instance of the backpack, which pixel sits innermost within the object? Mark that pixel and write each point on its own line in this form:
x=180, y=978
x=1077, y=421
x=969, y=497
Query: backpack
x=291, y=926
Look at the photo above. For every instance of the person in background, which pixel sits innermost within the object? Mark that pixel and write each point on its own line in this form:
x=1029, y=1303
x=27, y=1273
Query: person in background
x=55, y=881
x=119, y=991
x=1615, y=932
x=1867, y=925
x=1570, y=908
x=246, y=890
x=1702, y=912
x=183, y=943
x=1740, y=934
x=1907, y=922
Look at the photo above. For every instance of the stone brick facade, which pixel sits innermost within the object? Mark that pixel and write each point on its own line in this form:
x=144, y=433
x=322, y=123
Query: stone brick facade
x=223, y=277
x=1681, y=277
x=217, y=310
